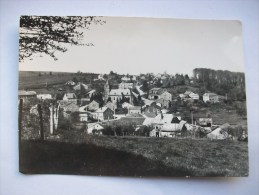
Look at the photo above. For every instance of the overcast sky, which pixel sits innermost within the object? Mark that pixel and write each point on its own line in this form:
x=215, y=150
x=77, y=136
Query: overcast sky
x=141, y=45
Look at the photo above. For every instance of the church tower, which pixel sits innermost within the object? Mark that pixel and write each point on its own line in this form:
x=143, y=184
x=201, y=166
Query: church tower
x=106, y=90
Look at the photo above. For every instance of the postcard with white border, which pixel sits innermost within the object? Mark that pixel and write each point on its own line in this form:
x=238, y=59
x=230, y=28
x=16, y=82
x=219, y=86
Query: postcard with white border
x=128, y=96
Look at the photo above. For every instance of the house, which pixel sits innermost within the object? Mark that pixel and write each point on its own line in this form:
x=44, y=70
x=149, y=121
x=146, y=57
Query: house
x=125, y=79
x=211, y=97
x=68, y=108
x=173, y=129
x=162, y=119
x=94, y=126
x=84, y=101
x=166, y=96
x=70, y=97
x=155, y=93
x=194, y=96
x=153, y=109
x=205, y=122
x=126, y=105
x=124, y=85
x=220, y=133
x=111, y=105
x=81, y=86
x=83, y=114
x=164, y=103
x=116, y=94
x=100, y=76
x=90, y=93
x=135, y=109
x=103, y=113
x=134, y=78
x=27, y=96
x=44, y=96
x=131, y=119
x=70, y=83
x=93, y=105
x=182, y=96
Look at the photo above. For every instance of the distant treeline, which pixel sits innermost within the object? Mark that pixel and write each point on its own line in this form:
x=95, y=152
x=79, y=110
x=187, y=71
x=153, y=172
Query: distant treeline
x=221, y=82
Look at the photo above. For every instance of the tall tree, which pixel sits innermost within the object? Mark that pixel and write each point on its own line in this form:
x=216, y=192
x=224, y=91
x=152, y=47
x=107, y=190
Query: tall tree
x=47, y=34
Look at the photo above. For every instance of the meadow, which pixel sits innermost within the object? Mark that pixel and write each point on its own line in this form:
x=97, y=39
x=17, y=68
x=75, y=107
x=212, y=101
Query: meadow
x=134, y=156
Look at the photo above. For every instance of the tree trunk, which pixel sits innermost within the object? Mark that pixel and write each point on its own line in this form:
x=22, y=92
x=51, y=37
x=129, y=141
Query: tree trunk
x=41, y=122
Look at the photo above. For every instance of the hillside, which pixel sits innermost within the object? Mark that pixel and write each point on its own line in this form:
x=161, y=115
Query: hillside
x=38, y=80
x=135, y=156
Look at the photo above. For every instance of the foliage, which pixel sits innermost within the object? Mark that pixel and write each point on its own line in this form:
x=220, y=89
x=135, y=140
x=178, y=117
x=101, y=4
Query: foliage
x=221, y=82
x=47, y=34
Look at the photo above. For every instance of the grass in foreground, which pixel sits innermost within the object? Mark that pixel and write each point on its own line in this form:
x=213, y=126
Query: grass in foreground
x=135, y=156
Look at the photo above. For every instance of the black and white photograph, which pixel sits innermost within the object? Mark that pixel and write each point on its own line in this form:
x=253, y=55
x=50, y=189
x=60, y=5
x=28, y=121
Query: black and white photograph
x=132, y=96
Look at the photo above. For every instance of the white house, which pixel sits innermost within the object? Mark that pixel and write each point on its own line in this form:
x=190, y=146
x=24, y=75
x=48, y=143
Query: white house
x=83, y=115
x=69, y=96
x=111, y=105
x=125, y=78
x=116, y=94
x=94, y=126
x=210, y=97
x=27, y=95
x=135, y=109
x=166, y=96
x=220, y=132
x=103, y=113
x=194, y=96
x=44, y=96
x=126, y=105
x=70, y=83
x=124, y=85
x=93, y=105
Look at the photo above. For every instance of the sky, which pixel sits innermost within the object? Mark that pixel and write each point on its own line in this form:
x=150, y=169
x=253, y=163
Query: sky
x=144, y=45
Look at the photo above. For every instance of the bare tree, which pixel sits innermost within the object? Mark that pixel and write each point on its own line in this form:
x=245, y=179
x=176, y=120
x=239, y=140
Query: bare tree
x=47, y=34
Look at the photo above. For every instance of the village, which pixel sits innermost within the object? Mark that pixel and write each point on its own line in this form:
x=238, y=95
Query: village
x=131, y=105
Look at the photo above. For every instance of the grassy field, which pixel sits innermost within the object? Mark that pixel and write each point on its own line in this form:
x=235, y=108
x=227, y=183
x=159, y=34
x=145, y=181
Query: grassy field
x=135, y=156
x=32, y=80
